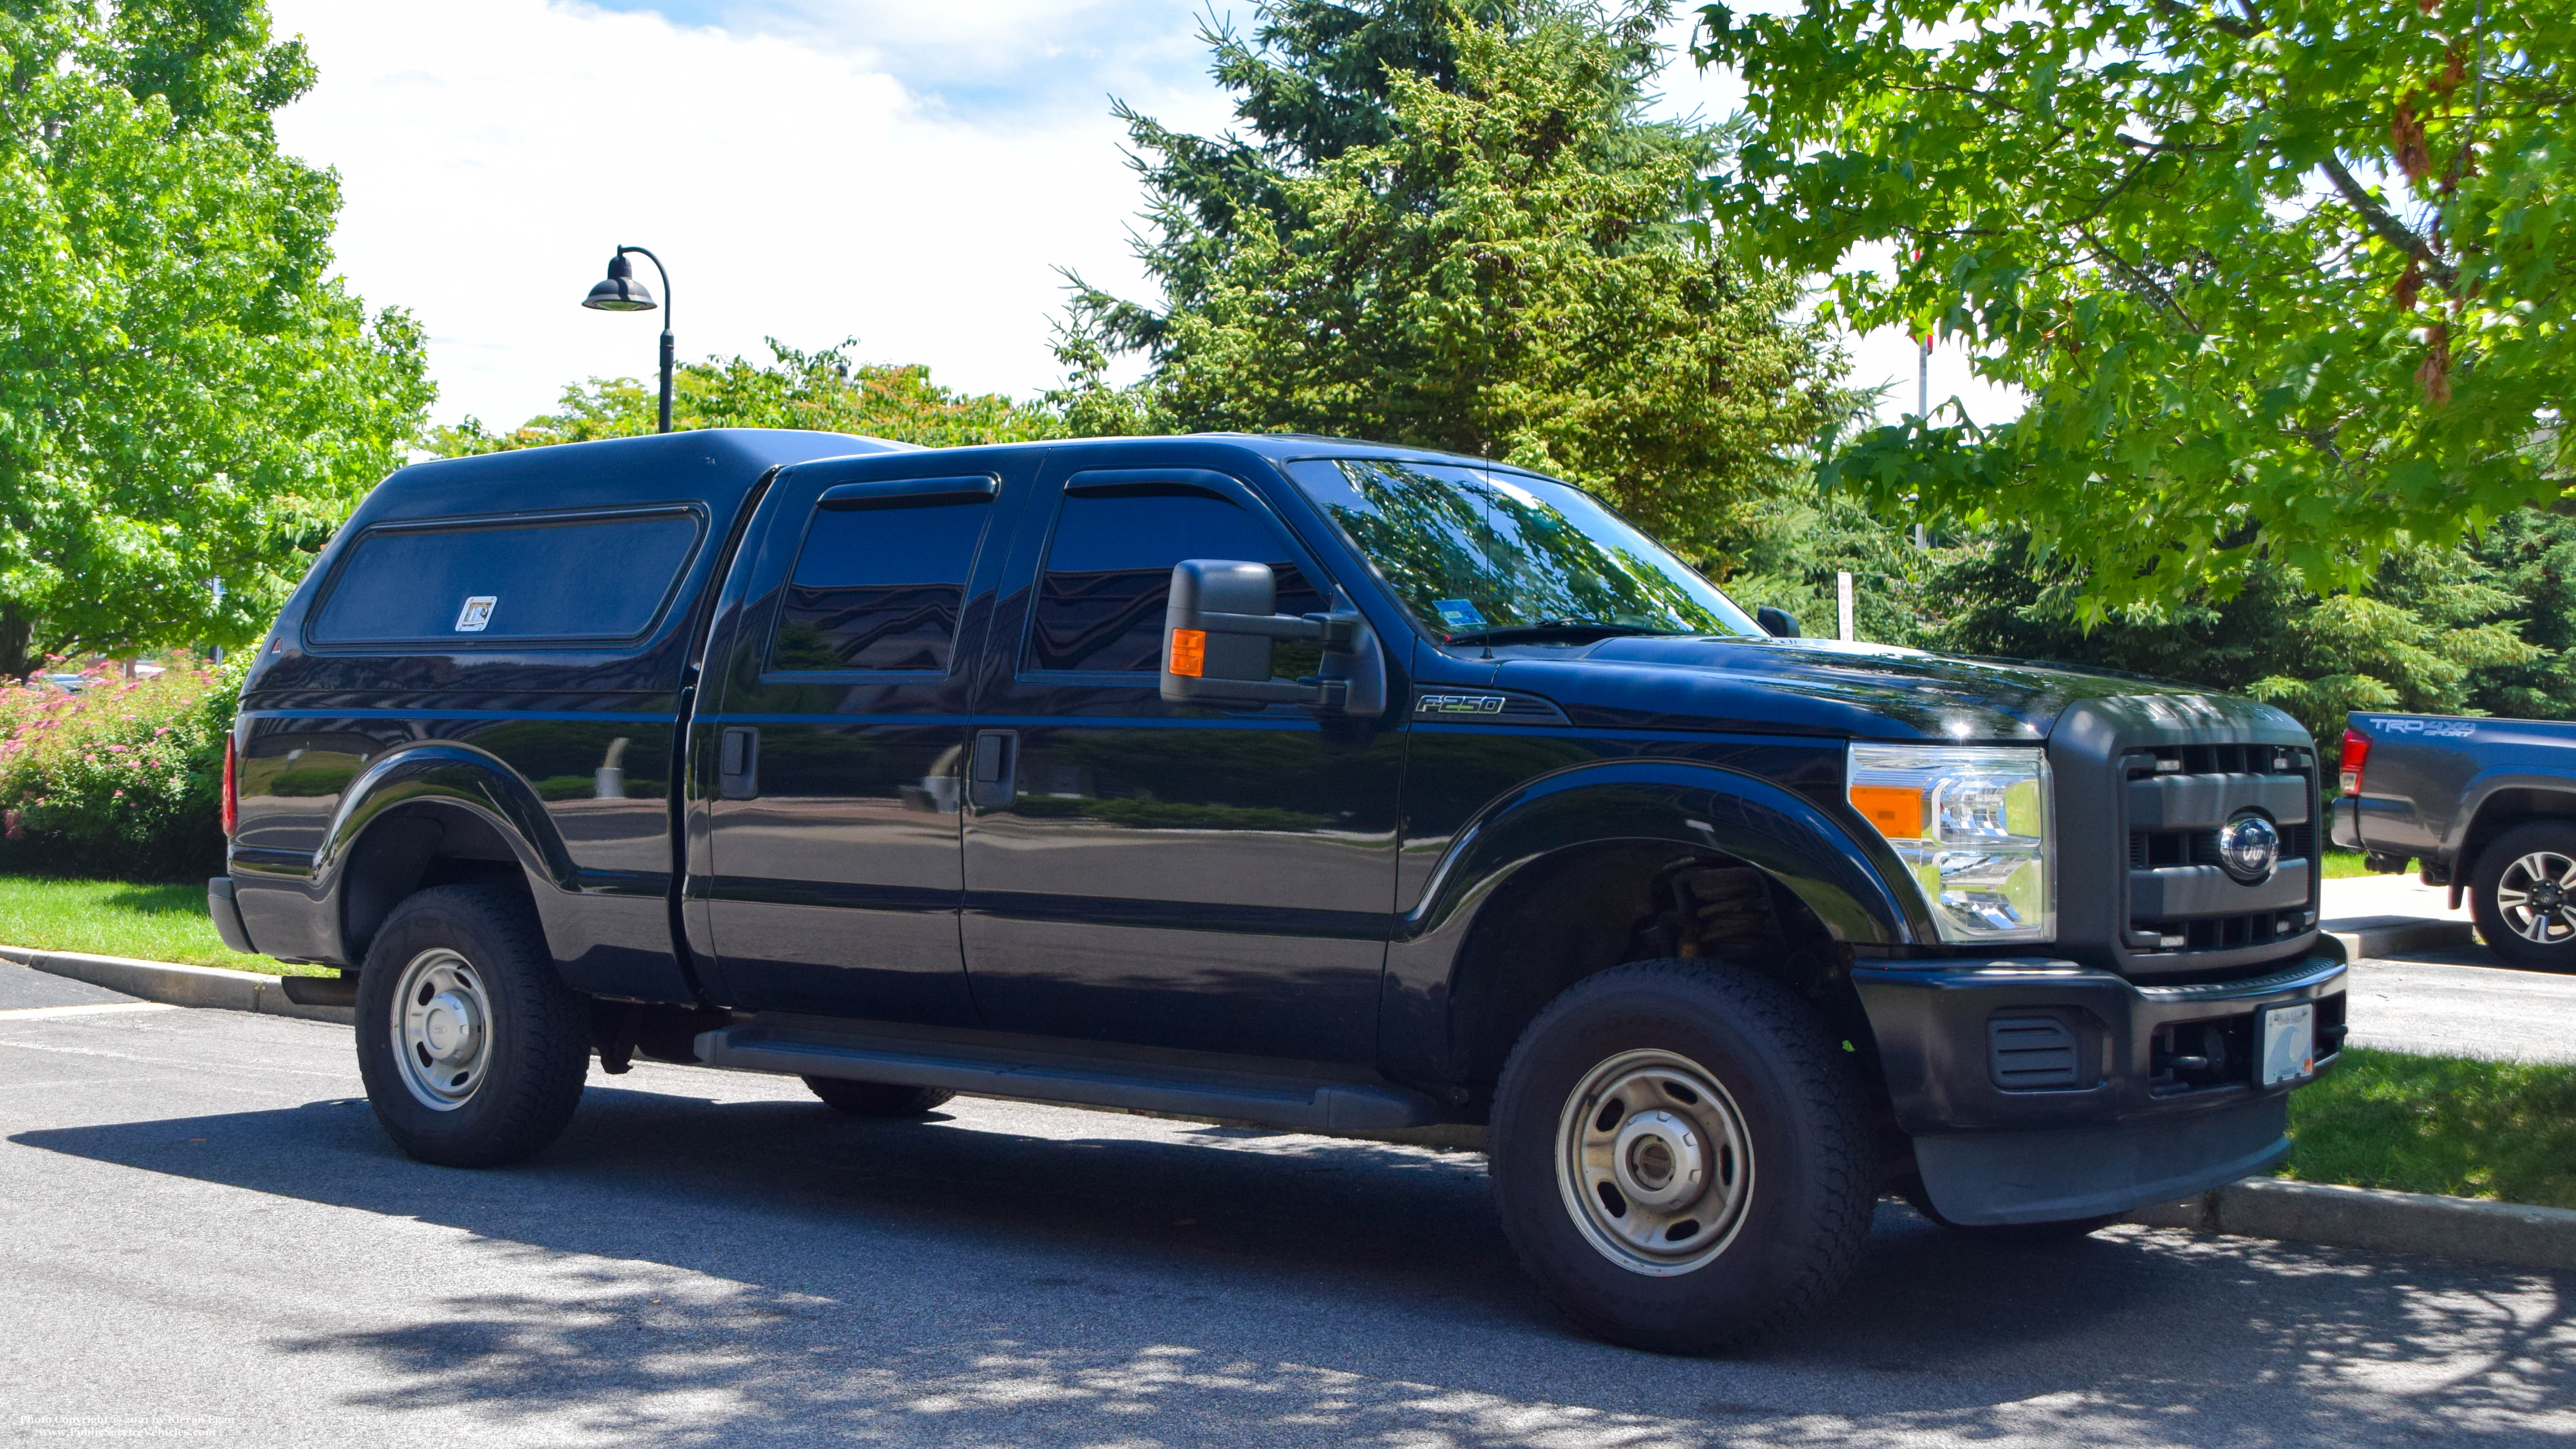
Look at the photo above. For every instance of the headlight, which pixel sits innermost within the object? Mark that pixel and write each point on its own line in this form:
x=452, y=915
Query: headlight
x=1972, y=824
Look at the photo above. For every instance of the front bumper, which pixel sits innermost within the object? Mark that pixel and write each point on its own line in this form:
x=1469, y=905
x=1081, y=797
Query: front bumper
x=2121, y=1124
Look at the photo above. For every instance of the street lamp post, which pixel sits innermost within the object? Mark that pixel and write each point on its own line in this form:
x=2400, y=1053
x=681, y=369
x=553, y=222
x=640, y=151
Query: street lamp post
x=620, y=292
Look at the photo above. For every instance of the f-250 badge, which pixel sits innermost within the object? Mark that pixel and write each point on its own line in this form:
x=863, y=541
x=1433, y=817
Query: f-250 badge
x=1459, y=704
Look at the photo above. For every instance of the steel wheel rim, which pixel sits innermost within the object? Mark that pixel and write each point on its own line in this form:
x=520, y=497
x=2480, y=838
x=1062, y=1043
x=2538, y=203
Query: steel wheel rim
x=1654, y=1163
x=442, y=1029
x=2536, y=897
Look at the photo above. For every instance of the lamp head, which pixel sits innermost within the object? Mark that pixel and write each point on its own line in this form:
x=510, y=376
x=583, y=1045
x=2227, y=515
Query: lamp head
x=619, y=292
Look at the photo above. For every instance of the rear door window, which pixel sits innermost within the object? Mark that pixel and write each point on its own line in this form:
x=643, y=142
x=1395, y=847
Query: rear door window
x=1109, y=573
x=584, y=579
x=879, y=586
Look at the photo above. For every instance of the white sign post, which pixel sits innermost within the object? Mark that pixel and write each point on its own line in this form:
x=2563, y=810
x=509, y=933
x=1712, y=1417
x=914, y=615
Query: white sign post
x=1843, y=604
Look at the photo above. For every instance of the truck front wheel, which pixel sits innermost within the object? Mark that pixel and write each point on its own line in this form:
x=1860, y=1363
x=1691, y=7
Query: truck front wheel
x=472, y=1047
x=1679, y=1156
x=2524, y=895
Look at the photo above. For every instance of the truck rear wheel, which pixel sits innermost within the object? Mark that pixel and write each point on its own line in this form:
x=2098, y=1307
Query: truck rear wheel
x=875, y=1099
x=472, y=1047
x=1679, y=1157
x=2524, y=895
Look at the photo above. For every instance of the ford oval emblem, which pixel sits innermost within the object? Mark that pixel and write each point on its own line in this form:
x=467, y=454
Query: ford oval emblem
x=2249, y=846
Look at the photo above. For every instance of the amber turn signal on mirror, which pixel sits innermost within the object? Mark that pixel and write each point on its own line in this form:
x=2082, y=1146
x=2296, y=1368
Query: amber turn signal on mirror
x=1189, y=652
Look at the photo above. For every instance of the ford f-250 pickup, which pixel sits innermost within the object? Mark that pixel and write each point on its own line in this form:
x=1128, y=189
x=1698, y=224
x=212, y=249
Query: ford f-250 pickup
x=1275, y=780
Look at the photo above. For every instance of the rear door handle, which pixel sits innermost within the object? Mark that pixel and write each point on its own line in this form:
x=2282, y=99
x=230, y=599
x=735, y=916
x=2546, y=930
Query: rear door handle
x=738, y=763
x=993, y=770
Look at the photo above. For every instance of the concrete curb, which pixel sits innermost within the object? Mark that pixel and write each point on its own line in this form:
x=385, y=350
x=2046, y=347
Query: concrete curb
x=2388, y=1222
x=178, y=985
x=2371, y=936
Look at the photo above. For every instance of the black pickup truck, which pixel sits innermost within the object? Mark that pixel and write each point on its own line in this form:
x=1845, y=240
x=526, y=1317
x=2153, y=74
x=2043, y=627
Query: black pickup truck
x=2484, y=806
x=1272, y=780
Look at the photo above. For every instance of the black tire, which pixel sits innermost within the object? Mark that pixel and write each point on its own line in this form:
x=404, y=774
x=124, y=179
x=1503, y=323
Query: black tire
x=2065, y=1230
x=1802, y=1209
x=2506, y=855
x=535, y=1050
x=875, y=1099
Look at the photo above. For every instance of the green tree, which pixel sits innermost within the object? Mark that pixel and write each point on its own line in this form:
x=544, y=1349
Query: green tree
x=823, y=391
x=1481, y=246
x=2286, y=282
x=186, y=394
x=2531, y=555
x=1794, y=543
x=2439, y=631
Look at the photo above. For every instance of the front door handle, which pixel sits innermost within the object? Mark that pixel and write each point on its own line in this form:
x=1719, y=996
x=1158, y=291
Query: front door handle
x=738, y=763
x=992, y=771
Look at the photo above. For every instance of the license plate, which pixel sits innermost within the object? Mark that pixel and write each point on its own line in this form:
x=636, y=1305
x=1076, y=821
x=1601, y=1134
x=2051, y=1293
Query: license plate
x=2289, y=1044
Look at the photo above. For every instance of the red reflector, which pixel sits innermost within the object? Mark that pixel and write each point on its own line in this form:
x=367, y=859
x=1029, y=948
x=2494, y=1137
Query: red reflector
x=2356, y=753
x=232, y=794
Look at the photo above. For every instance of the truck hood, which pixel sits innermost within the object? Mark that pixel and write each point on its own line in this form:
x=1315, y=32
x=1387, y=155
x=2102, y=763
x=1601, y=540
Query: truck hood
x=1826, y=687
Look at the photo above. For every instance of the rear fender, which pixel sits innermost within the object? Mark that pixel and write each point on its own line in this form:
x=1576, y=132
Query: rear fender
x=413, y=783
x=2496, y=803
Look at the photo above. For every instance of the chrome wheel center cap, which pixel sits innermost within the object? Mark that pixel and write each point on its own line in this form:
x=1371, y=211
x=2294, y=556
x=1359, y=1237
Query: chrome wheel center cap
x=1659, y=1160
x=448, y=1027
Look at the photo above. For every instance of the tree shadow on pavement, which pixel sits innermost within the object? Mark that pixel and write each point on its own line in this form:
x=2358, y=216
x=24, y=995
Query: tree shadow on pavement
x=765, y=1271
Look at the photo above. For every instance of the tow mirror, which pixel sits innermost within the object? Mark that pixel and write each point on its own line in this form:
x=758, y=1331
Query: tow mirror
x=1778, y=623
x=1220, y=627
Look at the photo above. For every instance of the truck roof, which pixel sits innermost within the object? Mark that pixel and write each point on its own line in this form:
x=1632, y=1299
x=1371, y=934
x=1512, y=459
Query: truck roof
x=714, y=466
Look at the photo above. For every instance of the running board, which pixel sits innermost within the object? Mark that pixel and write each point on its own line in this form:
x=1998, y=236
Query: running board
x=1002, y=1072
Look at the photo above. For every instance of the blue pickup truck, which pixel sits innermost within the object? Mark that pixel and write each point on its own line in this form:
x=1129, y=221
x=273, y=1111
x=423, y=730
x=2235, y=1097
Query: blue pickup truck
x=2484, y=806
x=1291, y=781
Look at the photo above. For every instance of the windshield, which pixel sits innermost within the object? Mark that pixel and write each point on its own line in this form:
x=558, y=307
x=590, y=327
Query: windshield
x=1495, y=556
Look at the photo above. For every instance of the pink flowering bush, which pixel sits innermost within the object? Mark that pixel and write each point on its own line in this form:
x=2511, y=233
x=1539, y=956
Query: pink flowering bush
x=121, y=779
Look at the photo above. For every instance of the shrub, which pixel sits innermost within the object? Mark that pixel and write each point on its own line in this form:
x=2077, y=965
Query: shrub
x=121, y=779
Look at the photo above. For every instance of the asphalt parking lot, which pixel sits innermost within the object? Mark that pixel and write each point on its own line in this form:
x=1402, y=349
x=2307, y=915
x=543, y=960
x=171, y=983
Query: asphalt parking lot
x=204, y=1238
x=2465, y=1002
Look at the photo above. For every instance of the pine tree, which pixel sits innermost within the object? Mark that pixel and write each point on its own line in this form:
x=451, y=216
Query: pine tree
x=1480, y=245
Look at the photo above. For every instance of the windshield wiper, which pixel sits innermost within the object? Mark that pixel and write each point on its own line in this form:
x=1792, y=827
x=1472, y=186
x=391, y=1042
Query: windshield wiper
x=1581, y=630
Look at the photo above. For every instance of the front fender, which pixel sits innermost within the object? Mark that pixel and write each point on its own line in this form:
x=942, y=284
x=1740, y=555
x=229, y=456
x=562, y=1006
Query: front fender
x=1702, y=807
x=1694, y=807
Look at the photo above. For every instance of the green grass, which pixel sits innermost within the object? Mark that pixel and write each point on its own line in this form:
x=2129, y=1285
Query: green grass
x=2345, y=864
x=2448, y=1125
x=116, y=918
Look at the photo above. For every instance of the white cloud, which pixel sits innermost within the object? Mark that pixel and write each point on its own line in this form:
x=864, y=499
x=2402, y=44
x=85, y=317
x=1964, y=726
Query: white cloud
x=493, y=152
x=907, y=173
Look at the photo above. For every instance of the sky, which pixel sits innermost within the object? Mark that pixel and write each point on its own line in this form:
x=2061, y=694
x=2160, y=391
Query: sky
x=909, y=174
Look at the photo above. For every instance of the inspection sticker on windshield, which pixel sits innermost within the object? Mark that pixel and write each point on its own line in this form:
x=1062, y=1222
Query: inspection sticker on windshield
x=2289, y=1044
x=1458, y=614
x=477, y=613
